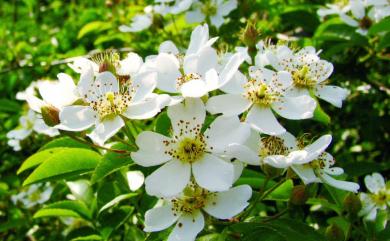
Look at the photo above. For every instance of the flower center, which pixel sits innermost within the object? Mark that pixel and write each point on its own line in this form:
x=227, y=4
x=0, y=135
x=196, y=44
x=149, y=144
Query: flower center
x=111, y=104
x=107, y=61
x=194, y=198
x=186, y=78
x=260, y=94
x=365, y=23
x=34, y=197
x=190, y=150
x=209, y=9
x=381, y=198
x=301, y=78
x=272, y=145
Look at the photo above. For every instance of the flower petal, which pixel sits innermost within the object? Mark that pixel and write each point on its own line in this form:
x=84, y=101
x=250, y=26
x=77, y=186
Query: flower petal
x=188, y=115
x=231, y=68
x=318, y=147
x=295, y=108
x=225, y=131
x=228, y=104
x=375, y=182
x=143, y=110
x=76, y=118
x=159, y=218
x=106, y=130
x=187, y=227
x=195, y=88
x=168, y=47
x=264, y=121
x=243, y=154
x=135, y=179
x=213, y=173
x=225, y=205
x=152, y=147
x=167, y=67
x=332, y=94
x=343, y=185
x=306, y=174
x=168, y=180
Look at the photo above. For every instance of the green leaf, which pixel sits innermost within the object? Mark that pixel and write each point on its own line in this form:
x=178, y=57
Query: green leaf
x=96, y=26
x=117, y=200
x=65, y=208
x=64, y=142
x=62, y=164
x=382, y=26
x=88, y=237
x=111, y=162
x=38, y=158
x=282, y=193
x=163, y=124
x=111, y=221
x=384, y=42
x=324, y=203
x=9, y=106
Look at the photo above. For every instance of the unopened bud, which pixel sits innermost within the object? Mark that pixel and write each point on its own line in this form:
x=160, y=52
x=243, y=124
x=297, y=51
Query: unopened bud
x=251, y=35
x=50, y=115
x=352, y=203
x=299, y=195
x=334, y=233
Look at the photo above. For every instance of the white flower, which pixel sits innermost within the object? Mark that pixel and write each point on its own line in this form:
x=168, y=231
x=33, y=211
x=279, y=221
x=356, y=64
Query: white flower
x=139, y=22
x=34, y=195
x=172, y=6
x=108, y=101
x=189, y=151
x=186, y=210
x=260, y=95
x=257, y=148
x=56, y=94
x=195, y=74
x=313, y=164
x=28, y=123
x=309, y=72
x=80, y=189
x=216, y=10
x=377, y=199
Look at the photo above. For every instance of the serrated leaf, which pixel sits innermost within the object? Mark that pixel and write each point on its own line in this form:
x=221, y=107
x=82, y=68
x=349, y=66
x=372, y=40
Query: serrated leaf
x=64, y=142
x=111, y=162
x=62, y=164
x=96, y=26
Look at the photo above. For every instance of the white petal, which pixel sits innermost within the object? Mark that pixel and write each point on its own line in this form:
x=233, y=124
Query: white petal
x=58, y=93
x=86, y=77
x=213, y=173
x=348, y=20
x=238, y=168
x=278, y=161
x=135, y=179
x=227, y=7
x=295, y=108
x=203, y=61
x=106, y=129
x=187, y=227
x=168, y=47
x=231, y=68
x=217, y=20
x=194, y=88
x=200, y=35
x=188, y=115
x=168, y=180
x=143, y=110
x=344, y=185
x=235, y=85
x=228, y=104
x=76, y=118
x=159, y=218
x=225, y=131
x=19, y=134
x=152, y=149
x=306, y=174
x=243, y=154
x=318, y=147
x=195, y=16
x=332, y=94
x=144, y=84
x=167, y=67
x=225, y=205
x=212, y=80
x=264, y=121
x=375, y=182
x=357, y=8
x=130, y=65
x=35, y=103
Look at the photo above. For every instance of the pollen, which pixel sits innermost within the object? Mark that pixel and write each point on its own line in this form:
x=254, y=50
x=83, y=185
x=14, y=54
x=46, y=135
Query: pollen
x=193, y=199
x=260, y=94
x=190, y=149
x=111, y=104
x=273, y=145
x=301, y=78
x=186, y=78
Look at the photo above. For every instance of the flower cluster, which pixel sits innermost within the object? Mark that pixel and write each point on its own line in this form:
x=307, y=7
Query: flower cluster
x=197, y=11
x=361, y=14
x=205, y=153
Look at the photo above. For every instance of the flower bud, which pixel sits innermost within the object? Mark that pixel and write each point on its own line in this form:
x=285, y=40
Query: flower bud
x=299, y=195
x=250, y=35
x=334, y=233
x=352, y=203
x=50, y=115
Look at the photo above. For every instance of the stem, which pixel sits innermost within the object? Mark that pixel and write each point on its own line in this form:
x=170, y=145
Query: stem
x=281, y=213
x=177, y=31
